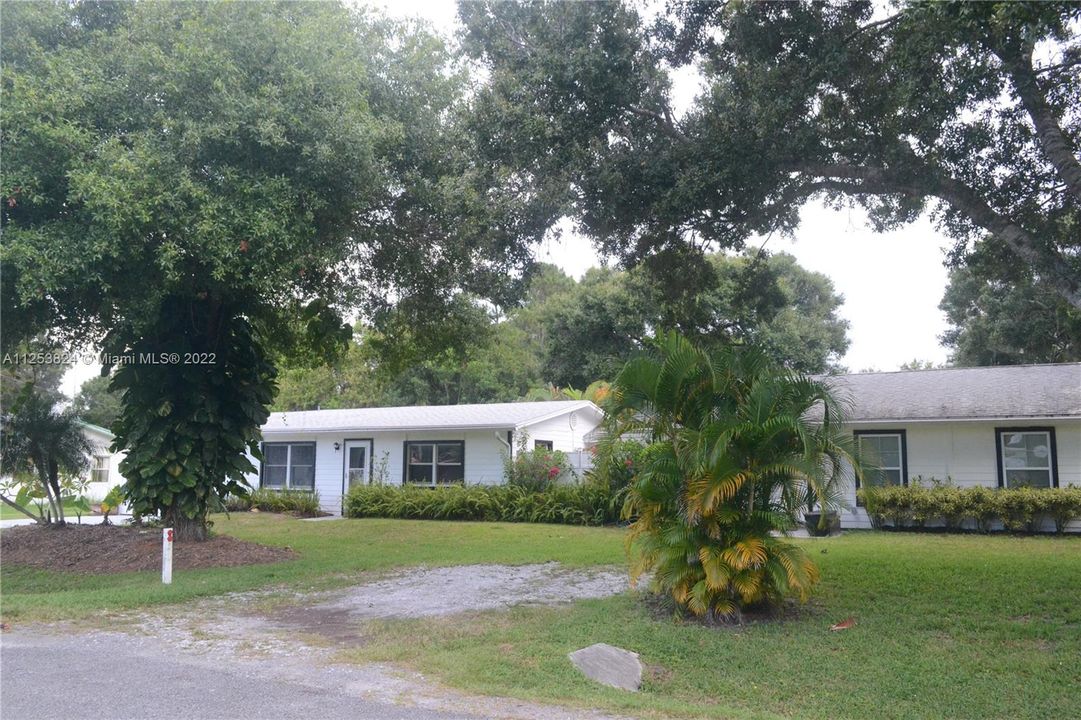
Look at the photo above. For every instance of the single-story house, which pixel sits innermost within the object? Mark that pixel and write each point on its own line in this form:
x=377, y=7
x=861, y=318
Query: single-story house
x=992, y=426
x=330, y=450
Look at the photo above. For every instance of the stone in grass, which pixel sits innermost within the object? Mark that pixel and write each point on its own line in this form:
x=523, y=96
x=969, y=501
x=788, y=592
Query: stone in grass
x=609, y=665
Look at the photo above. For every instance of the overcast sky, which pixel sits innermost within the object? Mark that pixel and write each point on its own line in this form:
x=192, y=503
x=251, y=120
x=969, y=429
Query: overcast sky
x=891, y=282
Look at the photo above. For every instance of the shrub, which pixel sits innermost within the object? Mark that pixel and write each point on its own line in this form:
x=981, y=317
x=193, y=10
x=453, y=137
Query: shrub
x=535, y=470
x=732, y=452
x=301, y=503
x=583, y=504
x=1018, y=509
x=1062, y=506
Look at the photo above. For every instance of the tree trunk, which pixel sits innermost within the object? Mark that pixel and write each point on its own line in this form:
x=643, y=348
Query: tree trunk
x=185, y=529
x=53, y=500
x=1053, y=140
x=54, y=483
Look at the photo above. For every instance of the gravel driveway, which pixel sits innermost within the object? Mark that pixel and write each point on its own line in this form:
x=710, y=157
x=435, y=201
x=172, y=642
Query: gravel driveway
x=242, y=656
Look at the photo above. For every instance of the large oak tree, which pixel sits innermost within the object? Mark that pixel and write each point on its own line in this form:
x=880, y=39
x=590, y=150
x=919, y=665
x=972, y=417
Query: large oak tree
x=217, y=185
x=969, y=110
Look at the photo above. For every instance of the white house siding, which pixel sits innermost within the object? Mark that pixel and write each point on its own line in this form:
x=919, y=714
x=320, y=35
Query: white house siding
x=560, y=432
x=100, y=443
x=965, y=452
x=484, y=454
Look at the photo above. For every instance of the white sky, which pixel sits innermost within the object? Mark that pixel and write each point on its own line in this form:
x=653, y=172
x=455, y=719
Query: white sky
x=891, y=282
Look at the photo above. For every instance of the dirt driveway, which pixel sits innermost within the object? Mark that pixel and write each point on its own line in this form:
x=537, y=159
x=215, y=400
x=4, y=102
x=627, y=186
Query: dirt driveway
x=294, y=637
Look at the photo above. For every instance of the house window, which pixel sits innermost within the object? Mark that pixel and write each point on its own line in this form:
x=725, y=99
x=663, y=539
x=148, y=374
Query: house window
x=1026, y=457
x=886, y=452
x=434, y=463
x=288, y=466
x=542, y=445
x=99, y=469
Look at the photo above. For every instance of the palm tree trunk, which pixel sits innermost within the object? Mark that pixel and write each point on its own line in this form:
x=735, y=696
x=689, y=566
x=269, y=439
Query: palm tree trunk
x=54, y=482
x=54, y=509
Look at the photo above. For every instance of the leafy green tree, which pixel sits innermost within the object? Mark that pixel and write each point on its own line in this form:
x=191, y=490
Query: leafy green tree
x=946, y=106
x=96, y=404
x=1005, y=316
x=39, y=448
x=768, y=300
x=730, y=456
x=36, y=362
x=215, y=186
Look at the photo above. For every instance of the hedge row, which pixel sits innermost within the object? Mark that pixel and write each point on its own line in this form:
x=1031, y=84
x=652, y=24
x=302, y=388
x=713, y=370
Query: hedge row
x=583, y=504
x=1018, y=509
x=302, y=503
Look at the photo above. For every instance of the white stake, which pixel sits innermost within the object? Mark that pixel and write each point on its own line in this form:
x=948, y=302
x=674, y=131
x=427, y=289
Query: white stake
x=167, y=556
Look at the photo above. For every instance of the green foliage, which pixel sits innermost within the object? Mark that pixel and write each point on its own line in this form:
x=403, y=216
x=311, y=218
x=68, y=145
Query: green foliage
x=580, y=504
x=96, y=404
x=1002, y=315
x=186, y=428
x=259, y=169
x=111, y=503
x=1018, y=509
x=535, y=470
x=301, y=503
x=945, y=106
x=731, y=454
x=44, y=453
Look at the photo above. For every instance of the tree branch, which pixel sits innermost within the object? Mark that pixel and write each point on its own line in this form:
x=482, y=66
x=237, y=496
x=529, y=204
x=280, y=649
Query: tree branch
x=856, y=179
x=1056, y=145
x=663, y=121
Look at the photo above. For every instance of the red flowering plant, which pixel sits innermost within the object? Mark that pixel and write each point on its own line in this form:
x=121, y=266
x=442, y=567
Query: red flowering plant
x=537, y=469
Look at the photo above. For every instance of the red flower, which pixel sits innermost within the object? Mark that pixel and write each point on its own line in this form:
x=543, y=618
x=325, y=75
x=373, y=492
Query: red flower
x=628, y=462
x=553, y=472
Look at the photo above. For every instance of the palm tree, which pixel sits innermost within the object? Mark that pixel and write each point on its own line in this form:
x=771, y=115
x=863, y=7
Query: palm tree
x=38, y=446
x=733, y=448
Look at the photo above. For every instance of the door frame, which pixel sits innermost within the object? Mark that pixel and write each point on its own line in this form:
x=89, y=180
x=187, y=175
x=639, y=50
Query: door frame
x=345, y=462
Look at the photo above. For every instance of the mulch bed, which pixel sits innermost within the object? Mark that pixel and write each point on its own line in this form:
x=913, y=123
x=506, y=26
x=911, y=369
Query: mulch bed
x=106, y=549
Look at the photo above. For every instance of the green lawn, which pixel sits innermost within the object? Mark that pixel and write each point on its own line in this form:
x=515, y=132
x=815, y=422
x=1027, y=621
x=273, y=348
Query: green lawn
x=9, y=513
x=947, y=626
x=331, y=554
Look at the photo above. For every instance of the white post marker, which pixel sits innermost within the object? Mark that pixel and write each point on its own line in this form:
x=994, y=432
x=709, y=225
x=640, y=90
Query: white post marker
x=167, y=556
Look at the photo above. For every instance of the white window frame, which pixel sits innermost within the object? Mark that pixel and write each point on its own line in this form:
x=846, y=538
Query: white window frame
x=434, y=464
x=288, y=465
x=902, y=446
x=1052, y=460
x=99, y=468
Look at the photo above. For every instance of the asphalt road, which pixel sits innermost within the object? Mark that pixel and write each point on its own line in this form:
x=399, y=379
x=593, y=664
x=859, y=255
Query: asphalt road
x=115, y=677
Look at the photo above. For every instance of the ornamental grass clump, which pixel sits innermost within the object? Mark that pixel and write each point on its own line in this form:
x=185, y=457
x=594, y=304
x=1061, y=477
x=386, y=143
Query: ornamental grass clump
x=732, y=449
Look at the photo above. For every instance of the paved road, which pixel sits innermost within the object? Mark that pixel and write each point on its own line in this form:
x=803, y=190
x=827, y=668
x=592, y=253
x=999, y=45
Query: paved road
x=116, y=677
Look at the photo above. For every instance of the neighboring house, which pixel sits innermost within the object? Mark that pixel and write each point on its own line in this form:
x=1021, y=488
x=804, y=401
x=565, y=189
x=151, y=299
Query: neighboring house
x=104, y=473
x=330, y=450
x=992, y=426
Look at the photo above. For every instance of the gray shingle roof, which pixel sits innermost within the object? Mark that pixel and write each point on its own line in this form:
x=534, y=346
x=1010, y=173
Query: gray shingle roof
x=1017, y=391
x=435, y=417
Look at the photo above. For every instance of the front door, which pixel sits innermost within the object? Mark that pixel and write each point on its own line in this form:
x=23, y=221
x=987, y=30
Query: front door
x=358, y=455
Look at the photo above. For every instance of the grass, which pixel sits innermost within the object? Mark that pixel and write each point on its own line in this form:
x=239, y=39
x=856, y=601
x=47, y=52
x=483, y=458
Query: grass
x=9, y=513
x=947, y=625
x=332, y=553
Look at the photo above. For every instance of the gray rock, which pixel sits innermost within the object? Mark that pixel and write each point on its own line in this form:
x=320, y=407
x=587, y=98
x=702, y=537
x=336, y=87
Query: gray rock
x=609, y=665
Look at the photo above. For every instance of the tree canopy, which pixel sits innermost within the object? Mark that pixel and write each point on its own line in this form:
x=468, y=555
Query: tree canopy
x=567, y=335
x=221, y=183
x=968, y=110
